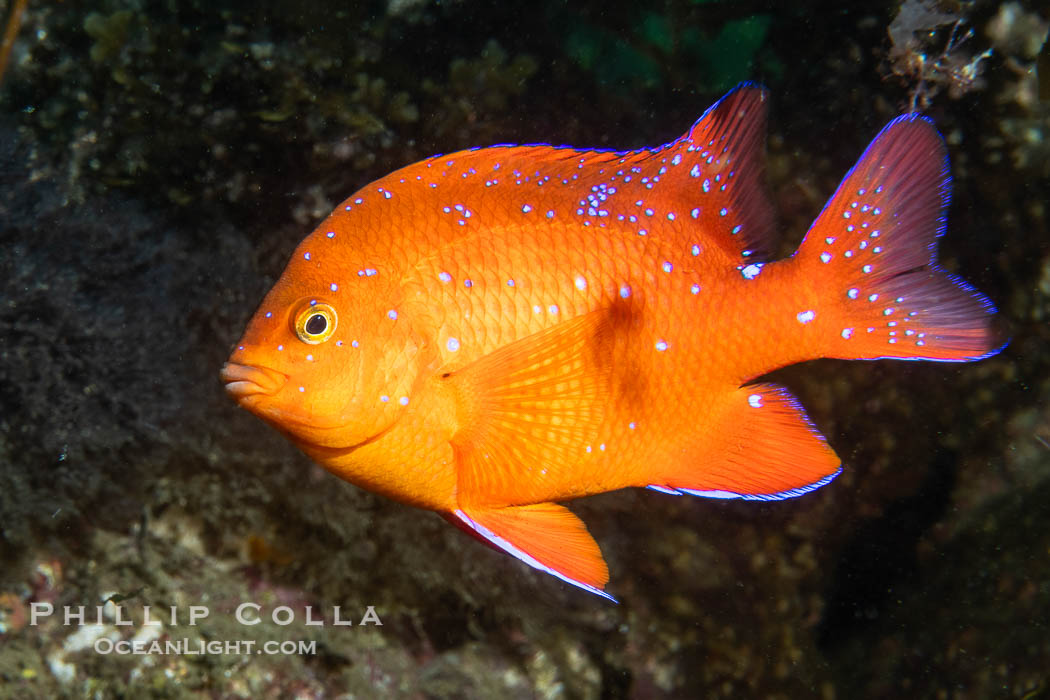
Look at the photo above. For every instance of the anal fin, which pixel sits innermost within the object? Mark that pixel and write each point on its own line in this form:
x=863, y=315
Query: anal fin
x=764, y=449
x=546, y=536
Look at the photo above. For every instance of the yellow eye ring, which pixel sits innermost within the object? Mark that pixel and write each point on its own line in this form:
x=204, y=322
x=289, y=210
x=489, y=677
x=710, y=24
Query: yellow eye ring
x=316, y=323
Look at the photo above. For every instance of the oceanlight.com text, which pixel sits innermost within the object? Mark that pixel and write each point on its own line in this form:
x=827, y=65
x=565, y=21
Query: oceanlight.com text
x=202, y=647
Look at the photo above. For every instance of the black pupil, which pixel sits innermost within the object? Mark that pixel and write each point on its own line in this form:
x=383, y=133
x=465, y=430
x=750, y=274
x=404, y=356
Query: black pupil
x=316, y=324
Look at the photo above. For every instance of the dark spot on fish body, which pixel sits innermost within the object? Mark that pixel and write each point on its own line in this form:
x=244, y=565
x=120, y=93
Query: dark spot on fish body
x=616, y=338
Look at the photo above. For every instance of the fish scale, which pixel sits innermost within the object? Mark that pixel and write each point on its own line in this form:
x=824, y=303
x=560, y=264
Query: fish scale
x=490, y=333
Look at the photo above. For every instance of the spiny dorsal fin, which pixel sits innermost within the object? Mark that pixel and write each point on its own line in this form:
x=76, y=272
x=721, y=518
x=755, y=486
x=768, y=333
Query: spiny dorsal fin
x=707, y=185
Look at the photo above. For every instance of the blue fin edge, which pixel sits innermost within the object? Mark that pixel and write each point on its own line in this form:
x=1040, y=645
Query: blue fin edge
x=779, y=496
x=509, y=548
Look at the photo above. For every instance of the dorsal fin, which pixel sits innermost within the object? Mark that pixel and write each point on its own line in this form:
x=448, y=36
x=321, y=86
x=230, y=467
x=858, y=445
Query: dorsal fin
x=705, y=187
x=728, y=146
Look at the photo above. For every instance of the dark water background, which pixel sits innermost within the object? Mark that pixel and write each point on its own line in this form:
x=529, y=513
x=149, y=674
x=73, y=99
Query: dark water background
x=159, y=161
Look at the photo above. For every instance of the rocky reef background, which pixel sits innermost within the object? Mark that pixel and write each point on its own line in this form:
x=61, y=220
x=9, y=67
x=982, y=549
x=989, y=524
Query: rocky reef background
x=159, y=161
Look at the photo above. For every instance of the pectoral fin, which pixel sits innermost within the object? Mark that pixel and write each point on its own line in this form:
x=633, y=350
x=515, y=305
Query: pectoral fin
x=528, y=410
x=546, y=536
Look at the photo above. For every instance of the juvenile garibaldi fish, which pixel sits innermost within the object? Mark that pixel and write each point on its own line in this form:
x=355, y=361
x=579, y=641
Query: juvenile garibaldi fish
x=493, y=332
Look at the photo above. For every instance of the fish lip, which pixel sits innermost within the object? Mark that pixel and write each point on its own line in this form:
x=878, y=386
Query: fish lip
x=243, y=381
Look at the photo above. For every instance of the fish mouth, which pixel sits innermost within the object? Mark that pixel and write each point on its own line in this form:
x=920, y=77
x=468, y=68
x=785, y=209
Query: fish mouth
x=243, y=381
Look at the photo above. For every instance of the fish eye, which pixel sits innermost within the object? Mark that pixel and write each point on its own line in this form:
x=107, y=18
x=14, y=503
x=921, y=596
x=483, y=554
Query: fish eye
x=315, y=324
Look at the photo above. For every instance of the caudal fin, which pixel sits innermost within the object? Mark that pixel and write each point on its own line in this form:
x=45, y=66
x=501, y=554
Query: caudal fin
x=876, y=240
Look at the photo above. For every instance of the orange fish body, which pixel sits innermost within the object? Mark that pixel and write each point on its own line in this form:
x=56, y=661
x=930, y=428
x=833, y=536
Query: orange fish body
x=488, y=333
